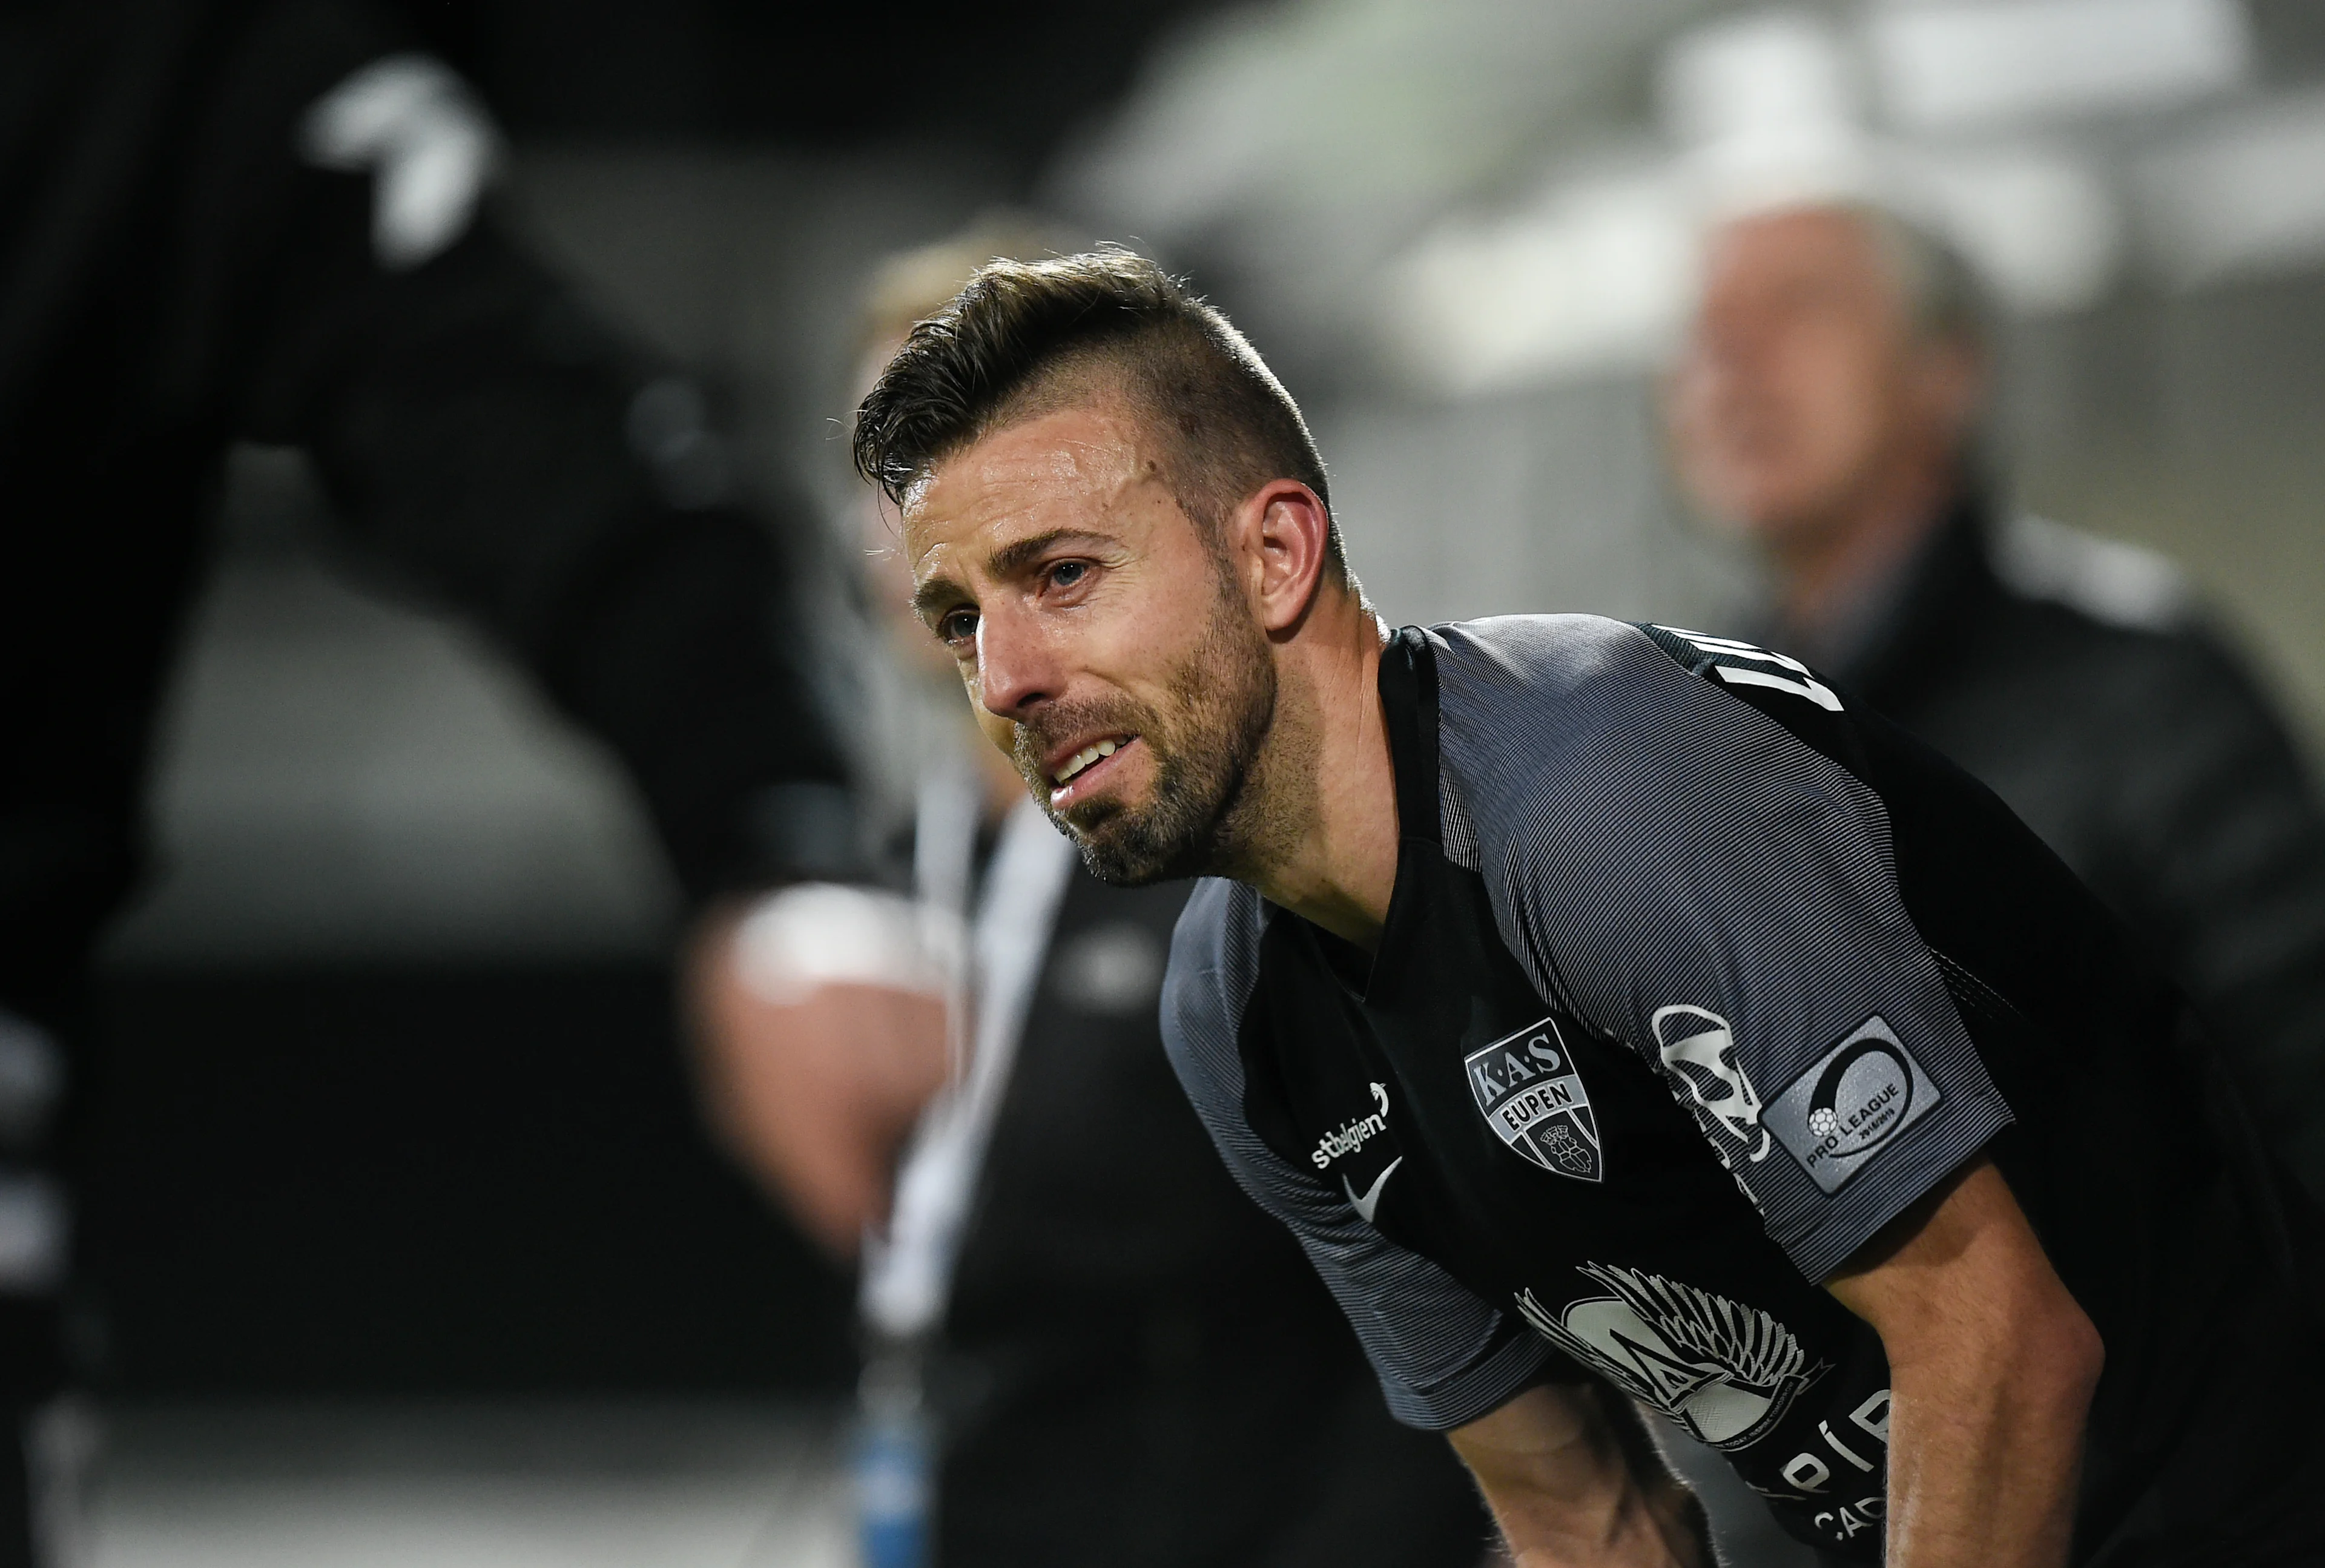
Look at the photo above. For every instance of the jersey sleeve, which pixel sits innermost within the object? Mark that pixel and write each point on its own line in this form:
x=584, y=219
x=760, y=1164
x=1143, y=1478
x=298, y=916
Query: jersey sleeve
x=1443, y=1355
x=1691, y=878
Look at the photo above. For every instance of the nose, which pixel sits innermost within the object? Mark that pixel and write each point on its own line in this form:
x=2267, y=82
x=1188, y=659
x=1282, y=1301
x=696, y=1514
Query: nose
x=1016, y=669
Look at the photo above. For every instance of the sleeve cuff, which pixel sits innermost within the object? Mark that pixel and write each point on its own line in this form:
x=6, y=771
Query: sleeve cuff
x=822, y=933
x=1927, y=1155
x=1511, y=1368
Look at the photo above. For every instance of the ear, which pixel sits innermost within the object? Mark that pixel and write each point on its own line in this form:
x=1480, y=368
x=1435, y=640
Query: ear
x=1279, y=537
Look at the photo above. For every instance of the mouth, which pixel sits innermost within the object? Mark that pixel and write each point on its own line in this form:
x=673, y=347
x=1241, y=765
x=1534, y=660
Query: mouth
x=1077, y=773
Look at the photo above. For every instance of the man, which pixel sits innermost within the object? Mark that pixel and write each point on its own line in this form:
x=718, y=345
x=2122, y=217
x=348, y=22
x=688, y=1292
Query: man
x=1828, y=405
x=1608, y=1008
x=1114, y=1343
x=268, y=220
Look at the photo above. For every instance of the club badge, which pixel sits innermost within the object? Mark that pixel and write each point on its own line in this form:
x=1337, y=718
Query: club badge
x=1529, y=1091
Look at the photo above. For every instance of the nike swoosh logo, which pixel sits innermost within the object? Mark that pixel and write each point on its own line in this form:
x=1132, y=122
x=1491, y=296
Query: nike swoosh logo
x=1371, y=1199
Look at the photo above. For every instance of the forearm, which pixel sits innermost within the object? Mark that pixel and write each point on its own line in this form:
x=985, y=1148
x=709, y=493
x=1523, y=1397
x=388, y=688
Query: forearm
x=1983, y=1473
x=1574, y=1483
x=1992, y=1366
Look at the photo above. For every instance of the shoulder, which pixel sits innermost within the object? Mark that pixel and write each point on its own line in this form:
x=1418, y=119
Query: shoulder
x=2119, y=628
x=2115, y=584
x=1539, y=660
x=1519, y=693
x=1214, y=968
x=1528, y=681
x=1545, y=716
x=2114, y=621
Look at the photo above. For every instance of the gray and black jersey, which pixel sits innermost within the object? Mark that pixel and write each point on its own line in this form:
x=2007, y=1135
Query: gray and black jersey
x=1694, y=977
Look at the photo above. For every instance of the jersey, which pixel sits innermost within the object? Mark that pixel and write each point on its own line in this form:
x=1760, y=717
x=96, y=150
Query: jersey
x=1694, y=979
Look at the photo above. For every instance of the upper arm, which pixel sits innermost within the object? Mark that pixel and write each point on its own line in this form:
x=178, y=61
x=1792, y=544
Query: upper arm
x=1962, y=1279
x=1696, y=881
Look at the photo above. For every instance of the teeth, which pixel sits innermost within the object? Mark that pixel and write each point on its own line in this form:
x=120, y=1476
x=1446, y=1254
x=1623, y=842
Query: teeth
x=1084, y=757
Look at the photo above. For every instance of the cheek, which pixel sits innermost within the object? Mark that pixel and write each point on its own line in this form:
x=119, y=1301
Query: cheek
x=1820, y=411
x=1002, y=733
x=1702, y=425
x=1842, y=383
x=1131, y=624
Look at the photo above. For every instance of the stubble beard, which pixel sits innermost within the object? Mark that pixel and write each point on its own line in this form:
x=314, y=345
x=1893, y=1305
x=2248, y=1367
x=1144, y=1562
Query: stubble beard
x=1207, y=814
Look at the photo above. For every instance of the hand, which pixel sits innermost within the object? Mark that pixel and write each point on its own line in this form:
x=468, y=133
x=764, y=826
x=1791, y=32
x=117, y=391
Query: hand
x=813, y=1087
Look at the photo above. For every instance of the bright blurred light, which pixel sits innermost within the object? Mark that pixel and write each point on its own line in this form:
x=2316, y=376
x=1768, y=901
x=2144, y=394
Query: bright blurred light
x=1766, y=109
x=1599, y=277
x=430, y=146
x=1763, y=74
x=2242, y=196
x=1764, y=113
x=1986, y=64
x=2040, y=225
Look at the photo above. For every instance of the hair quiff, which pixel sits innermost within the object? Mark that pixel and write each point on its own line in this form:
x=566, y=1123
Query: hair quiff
x=1021, y=333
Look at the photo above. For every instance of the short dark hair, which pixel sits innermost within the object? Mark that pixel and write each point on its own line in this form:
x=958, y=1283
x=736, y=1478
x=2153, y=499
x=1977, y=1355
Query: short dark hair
x=1019, y=329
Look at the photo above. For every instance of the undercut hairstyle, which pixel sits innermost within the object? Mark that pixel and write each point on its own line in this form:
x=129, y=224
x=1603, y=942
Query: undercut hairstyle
x=1026, y=337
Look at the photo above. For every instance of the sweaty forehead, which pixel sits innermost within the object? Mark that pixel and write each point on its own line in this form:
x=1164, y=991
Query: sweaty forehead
x=1069, y=468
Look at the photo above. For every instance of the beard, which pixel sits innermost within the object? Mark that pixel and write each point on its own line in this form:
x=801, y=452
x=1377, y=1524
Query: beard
x=1206, y=746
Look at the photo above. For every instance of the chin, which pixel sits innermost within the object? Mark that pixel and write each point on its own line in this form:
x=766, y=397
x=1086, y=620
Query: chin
x=1123, y=851
x=1771, y=517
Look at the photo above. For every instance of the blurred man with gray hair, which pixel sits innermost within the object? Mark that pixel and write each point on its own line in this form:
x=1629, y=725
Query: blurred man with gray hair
x=1828, y=404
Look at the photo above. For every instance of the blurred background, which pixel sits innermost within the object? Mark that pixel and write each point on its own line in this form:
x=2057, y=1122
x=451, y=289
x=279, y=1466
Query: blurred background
x=364, y=1254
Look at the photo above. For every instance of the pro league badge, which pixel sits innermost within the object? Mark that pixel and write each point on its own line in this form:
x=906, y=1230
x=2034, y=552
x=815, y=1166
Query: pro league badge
x=1527, y=1086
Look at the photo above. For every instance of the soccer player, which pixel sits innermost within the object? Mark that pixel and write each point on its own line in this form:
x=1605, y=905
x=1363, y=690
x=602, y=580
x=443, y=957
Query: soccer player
x=1615, y=1014
x=1081, y=1346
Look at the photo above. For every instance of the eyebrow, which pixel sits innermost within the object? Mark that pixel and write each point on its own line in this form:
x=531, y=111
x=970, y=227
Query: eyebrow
x=934, y=595
x=1008, y=561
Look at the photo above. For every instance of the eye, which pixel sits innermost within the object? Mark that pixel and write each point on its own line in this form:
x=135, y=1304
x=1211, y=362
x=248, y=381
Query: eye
x=1067, y=573
x=957, y=627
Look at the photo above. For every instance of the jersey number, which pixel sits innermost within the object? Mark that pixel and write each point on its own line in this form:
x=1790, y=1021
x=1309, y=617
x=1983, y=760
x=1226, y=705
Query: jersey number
x=1801, y=682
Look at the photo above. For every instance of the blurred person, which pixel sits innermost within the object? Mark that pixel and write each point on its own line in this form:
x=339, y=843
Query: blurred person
x=1615, y=1013
x=1829, y=406
x=268, y=220
x=1121, y=1355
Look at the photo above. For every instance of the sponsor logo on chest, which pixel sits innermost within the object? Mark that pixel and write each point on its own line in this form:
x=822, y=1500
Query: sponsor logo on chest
x=1353, y=1134
x=1529, y=1093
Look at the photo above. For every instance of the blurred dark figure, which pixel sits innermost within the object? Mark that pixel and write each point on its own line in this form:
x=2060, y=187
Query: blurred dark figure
x=227, y=220
x=1828, y=404
x=1123, y=1356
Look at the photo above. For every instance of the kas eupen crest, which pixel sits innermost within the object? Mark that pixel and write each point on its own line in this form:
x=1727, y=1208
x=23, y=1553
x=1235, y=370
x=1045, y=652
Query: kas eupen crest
x=1532, y=1096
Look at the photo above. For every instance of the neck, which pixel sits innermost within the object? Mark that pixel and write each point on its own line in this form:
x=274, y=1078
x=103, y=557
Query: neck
x=1825, y=571
x=1330, y=788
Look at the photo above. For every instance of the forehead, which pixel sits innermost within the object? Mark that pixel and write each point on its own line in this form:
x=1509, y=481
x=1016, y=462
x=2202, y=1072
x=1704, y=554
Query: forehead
x=1066, y=468
x=1783, y=248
